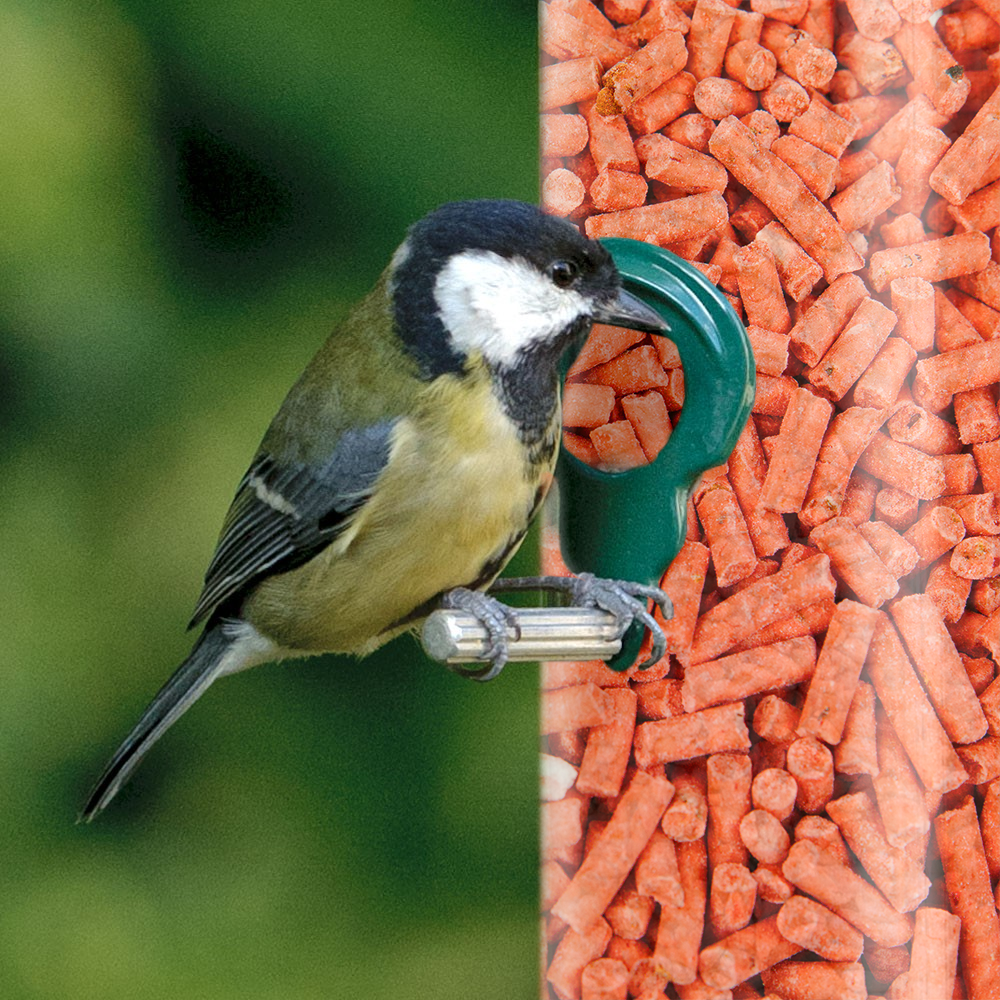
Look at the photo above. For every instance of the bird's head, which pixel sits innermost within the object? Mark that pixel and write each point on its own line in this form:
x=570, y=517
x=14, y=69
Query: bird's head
x=506, y=281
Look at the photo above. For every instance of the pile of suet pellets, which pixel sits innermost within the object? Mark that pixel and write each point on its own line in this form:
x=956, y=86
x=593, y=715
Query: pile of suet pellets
x=802, y=799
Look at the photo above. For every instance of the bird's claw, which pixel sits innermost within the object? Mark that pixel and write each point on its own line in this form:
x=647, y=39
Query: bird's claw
x=496, y=617
x=627, y=602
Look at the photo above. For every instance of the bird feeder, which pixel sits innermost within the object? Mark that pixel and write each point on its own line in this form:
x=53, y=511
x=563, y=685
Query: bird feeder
x=630, y=525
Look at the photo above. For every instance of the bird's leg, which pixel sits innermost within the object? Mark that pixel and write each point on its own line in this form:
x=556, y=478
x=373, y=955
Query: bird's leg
x=625, y=600
x=496, y=617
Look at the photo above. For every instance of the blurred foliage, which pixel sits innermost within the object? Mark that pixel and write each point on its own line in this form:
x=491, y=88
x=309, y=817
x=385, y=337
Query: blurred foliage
x=191, y=192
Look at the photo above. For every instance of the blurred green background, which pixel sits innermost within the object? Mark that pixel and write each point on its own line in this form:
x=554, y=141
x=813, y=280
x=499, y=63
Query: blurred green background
x=191, y=192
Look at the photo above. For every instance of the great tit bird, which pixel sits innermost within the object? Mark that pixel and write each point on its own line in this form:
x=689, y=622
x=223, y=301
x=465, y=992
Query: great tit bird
x=406, y=463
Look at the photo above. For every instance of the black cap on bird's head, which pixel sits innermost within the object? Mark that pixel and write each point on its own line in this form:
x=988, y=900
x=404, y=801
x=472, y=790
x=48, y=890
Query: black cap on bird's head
x=502, y=277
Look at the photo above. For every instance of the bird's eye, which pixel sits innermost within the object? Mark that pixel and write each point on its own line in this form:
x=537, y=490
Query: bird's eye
x=564, y=273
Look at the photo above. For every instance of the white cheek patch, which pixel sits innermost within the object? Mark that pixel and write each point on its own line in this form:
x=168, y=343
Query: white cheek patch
x=498, y=305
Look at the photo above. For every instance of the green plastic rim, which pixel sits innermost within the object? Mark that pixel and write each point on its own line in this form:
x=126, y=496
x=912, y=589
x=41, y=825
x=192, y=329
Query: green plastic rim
x=630, y=525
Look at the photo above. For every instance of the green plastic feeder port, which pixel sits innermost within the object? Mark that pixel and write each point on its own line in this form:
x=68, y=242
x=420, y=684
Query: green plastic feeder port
x=630, y=525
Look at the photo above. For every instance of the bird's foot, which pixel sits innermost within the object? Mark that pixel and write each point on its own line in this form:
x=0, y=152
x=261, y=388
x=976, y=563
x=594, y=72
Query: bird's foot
x=627, y=601
x=496, y=617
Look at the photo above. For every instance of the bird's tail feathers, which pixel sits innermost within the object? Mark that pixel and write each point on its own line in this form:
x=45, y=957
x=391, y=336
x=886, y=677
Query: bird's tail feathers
x=210, y=658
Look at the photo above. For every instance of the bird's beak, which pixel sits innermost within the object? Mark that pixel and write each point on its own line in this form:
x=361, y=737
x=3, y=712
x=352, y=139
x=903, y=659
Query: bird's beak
x=628, y=311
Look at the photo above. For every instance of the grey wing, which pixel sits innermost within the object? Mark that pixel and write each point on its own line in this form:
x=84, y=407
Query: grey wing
x=286, y=511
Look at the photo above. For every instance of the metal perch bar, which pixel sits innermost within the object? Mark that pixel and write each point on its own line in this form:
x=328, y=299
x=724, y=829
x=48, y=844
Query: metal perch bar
x=546, y=634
